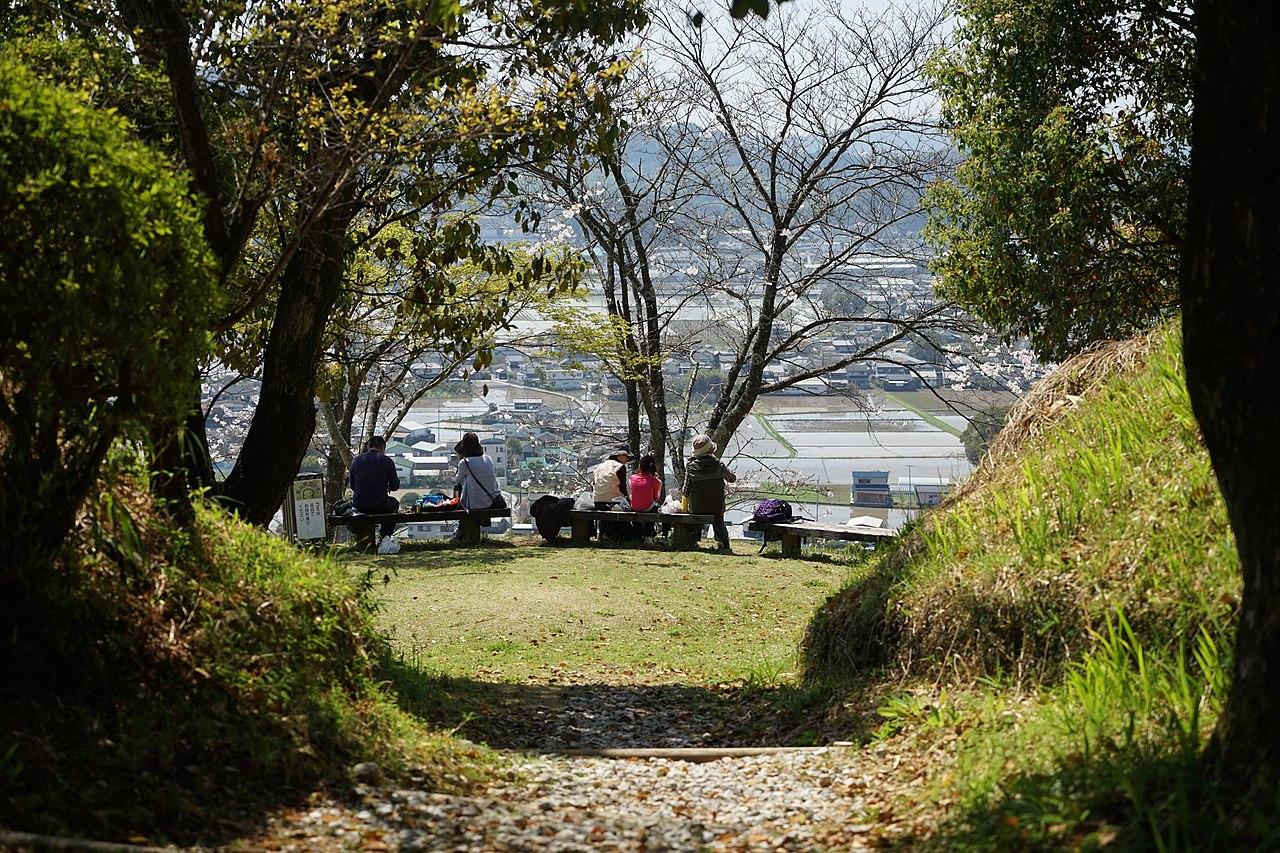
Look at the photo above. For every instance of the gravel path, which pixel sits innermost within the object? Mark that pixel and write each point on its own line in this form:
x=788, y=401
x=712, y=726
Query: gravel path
x=835, y=799
x=777, y=802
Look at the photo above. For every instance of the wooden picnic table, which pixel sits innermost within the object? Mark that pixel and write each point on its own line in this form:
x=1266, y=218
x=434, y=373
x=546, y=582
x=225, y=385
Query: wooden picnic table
x=686, y=528
x=793, y=533
x=470, y=521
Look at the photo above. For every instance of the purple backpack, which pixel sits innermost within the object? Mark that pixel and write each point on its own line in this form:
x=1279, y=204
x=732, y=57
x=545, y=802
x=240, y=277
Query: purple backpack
x=773, y=510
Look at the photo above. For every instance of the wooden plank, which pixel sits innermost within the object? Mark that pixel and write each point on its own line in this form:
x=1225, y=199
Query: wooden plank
x=693, y=753
x=791, y=545
x=366, y=536
x=581, y=529
x=685, y=536
x=469, y=528
x=826, y=531
x=416, y=517
x=32, y=841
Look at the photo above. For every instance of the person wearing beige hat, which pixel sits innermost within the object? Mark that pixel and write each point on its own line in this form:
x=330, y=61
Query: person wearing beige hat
x=704, y=479
x=609, y=478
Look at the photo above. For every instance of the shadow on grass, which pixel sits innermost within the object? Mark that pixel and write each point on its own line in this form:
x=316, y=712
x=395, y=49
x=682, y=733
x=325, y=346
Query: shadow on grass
x=1122, y=800
x=435, y=554
x=110, y=766
x=854, y=555
x=549, y=717
x=855, y=631
x=443, y=553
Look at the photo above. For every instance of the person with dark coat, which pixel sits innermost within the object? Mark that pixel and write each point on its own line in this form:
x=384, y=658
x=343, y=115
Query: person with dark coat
x=372, y=476
x=704, y=479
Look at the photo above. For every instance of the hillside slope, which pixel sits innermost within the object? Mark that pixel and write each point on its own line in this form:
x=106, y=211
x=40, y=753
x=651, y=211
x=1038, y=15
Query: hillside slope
x=183, y=682
x=1096, y=498
x=1053, y=643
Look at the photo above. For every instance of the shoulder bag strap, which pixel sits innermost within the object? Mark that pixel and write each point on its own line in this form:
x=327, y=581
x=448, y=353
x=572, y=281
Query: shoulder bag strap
x=476, y=480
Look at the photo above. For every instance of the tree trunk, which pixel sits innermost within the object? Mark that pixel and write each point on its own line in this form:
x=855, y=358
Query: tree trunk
x=285, y=419
x=653, y=397
x=742, y=386
x=1231, y=337
x=340, y=457
x=637, y=275
x=633, y=417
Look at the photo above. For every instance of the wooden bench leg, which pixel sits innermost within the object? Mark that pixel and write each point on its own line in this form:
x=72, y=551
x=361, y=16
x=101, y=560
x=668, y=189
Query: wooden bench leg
x=685, y=536
x=470, y=528
x=581, y=529
x=365, y=536
x=790, y=545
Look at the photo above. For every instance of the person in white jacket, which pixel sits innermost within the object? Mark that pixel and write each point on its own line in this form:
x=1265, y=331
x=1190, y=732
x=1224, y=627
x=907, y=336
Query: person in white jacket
x=609, y=478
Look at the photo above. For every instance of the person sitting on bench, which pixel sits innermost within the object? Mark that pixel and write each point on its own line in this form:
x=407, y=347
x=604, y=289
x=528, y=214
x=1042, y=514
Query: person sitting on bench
x=646, y=488
x=609, y=488
x=646, y=493
x=609, y=479
x=476, y=486
x=372, y=476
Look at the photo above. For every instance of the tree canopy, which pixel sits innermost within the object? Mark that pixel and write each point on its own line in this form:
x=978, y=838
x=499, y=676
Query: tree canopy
x=1065, y=220
x=307, y=128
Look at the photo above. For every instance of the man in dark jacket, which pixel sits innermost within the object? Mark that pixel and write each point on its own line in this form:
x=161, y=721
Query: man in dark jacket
x=373, y=474
x=704, y=479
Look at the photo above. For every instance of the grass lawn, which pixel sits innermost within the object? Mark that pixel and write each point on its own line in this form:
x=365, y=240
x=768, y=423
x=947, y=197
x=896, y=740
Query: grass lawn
x=519, y=610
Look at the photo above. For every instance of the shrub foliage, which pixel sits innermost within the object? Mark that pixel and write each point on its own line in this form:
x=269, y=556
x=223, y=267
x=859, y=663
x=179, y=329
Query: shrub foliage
x=107, y=284
x=196, y=675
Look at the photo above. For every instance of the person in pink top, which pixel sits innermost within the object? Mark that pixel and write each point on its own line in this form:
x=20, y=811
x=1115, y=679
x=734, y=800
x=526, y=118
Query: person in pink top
x=645, y=487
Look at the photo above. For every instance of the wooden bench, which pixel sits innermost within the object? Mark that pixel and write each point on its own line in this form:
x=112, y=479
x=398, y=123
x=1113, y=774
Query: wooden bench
x=686, y=529
x=794, y=532
x=469, y=522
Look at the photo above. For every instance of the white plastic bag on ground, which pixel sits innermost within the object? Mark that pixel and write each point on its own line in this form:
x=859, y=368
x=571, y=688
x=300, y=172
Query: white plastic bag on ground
x=585, y=501
x=388, y=546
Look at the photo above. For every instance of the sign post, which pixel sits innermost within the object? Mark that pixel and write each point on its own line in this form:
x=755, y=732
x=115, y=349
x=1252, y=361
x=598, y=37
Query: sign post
x=304, y=509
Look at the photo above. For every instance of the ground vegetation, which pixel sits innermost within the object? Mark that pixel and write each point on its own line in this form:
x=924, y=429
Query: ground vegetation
x=1071, y=611
x=196, y=677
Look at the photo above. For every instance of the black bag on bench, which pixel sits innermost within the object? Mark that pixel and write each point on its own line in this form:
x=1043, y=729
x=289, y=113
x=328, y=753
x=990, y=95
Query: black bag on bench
x=550, y=513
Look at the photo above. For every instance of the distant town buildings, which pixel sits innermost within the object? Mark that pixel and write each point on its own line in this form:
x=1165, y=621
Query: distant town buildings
x=870, y=488
x=538, y=432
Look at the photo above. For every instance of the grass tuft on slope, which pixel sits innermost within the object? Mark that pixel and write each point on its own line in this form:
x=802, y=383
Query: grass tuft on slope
x=181, y=682
x=1056, y=639
x=1099, y=498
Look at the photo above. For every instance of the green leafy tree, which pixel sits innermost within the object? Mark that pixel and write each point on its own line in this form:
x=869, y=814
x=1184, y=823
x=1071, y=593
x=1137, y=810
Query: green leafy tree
x=385, y=323
x=108, y=287
x=1065, y=220
x=305, y=127
x=983, y=427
